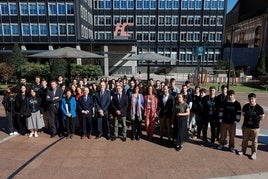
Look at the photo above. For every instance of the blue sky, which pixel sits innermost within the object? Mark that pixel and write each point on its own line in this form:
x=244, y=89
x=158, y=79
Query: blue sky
x=230, y=4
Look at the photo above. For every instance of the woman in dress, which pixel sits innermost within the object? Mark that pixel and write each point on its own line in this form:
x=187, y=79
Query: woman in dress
x=35, y=121
x=136, y=111
x=68, y=108
x=150, y=111
x=181, y=113
x=8, y=103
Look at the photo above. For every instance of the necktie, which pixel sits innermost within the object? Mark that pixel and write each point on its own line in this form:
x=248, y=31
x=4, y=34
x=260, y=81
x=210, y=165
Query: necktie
x=119, y=97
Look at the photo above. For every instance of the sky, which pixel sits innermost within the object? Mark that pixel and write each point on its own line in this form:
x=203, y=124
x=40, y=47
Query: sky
x=230, y=4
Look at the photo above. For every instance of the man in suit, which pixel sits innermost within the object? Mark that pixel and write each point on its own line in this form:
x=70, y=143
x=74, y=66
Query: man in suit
x=85, y=105
x=102, y=102
x=166, y=105
x=119, y=105
x=53, y=98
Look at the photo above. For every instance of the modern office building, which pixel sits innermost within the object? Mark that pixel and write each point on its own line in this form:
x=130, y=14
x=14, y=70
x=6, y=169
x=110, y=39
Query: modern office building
x=117, y=28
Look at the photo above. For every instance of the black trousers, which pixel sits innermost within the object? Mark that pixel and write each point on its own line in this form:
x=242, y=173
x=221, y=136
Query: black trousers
x=104, y=122
x=10, y=121
x=70, y=125
x=87, y=124
x=136, y=127
x=55, y=121
x=180, y=130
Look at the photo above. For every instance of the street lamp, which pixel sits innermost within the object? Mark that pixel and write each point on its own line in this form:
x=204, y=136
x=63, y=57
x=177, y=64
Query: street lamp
x=234, y=28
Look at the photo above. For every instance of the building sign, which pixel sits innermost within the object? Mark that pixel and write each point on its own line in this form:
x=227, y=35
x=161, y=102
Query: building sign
x=120, y=31
x=199, y=50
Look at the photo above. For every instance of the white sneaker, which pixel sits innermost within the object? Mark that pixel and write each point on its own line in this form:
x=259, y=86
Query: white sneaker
x=35, y=134
x=220, y=147
x=241, y=152
x=232, y=150
x=31, y=134
x=253, y=156
x=11, y=133
x=16, y=133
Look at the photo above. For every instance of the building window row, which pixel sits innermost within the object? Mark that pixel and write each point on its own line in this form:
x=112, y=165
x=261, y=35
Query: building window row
x=123, y=19
x=61, y=8
x=9, y=29
x=188, y=55
x=103, y=35
x=196, y=36
x=214, y=4
x=86, y=15
x=161, y=36
x=207, y=20
x=86, y=33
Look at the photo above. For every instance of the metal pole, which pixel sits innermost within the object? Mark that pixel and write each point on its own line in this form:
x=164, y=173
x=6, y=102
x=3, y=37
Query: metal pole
x=148, y=71
x=230, y=59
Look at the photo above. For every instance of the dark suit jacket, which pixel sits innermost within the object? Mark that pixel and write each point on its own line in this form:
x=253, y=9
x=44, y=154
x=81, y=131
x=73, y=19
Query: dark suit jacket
x=54, y=104
x=168, y=108
x=102, y=103
x=85, y=105
x=122, y=105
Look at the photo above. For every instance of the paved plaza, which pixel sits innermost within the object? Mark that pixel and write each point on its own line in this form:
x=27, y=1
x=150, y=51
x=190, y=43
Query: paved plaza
x=43, y=157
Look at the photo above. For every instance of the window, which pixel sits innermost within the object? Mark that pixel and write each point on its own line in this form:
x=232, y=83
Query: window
x=25, y=29
x=176, y=4
x=207, y=4
x=130, y=19
x=206, y=20
x=196, y=36
x=220, y=21
x=161, y=20
x=205, y=36
x=168, y=20
x=123, y=4
x=145, y=36
x=218, y=36
x=175, y=20
x=153, y=4
x=116, y=4
x=221, y=4
x=108, y=4
x=62, y=29
x=214, y=4
x=168, y=36
x=162, y=4
x=139, y=36
x=43, y=29
x=197, y=20
x=183, y=36
x=212, y=36
x=41, y=9
x=13, y=9
x=108, y=35
x=61, y=9
x=34, y=29
x=146, y=4
x=1, y=30
x=213, y=21
x=15, y=29
x=53, y=29
x=183, y=20
x=182, y=56
x=184, y=4
x=101, y=21
x=190, y=36
x=161, y=36
x=101, y=4
x=116, y=20
x=152, y=20
x=198, y=4
x=174, y=36
x=139, y=4
x=71, y=30
x=70, y=9
x=101, y=35
x=190, y=20
x=123, y=19
x=24, y=9
x=191, y=4
x=108, y=20
x=130, y=4
x=169, y=4
x=189, y=54
x=152, y=36
x=4, y=9
x=6, y=29
x=33, y=9
x=52, y=9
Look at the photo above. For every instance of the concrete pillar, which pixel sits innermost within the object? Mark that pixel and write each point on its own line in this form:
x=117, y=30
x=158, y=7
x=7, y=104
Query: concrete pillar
x=106, y=60
x=23, y=47
x=50, y=47
x=78, y=60
x=134, y=66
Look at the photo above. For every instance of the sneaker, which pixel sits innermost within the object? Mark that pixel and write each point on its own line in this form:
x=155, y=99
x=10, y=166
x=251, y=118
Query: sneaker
x=232, y=150
x=11, y=133
x=253, y=156
x=220, y=147
x=15, y=133
x=31, y=134
x=35, y=134
x=241, y=152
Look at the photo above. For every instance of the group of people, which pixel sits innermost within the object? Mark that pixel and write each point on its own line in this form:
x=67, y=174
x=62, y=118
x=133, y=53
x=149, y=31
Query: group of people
x=58, y=107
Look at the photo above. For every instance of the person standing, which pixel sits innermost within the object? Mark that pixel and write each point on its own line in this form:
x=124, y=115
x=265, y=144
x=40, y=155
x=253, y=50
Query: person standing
x=136, y=112
x=8, y=103
x=150, y=111
x=35, y=121
x=68, y=108
x=166, y=107
x=229, y=115
x=54, y=96
x=181, y=113
x=253, y=113
x=102, y=102
x=84, y=107
x=119, y=105
x=42, y=92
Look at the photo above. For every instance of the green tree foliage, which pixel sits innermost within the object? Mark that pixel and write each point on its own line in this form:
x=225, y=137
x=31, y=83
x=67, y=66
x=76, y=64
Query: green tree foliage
x=30, y=70
x=93, y=71
x=17, y=59
x=261, y=68
x=58, y=67
x=6, y=72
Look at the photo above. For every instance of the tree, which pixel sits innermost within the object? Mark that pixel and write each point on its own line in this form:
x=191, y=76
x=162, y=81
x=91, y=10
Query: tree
x=30, y=70
x=17, y=59
x=58, y=67
x=6, y=72
x=261, y=68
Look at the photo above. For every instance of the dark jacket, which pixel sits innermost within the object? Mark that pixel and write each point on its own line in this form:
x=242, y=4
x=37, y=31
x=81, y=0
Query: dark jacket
x=121, y=105
x=83, y=104
x=166, y=110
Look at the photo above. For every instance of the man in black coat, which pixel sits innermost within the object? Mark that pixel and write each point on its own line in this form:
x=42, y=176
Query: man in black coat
x=119, y=105
x=53, y=98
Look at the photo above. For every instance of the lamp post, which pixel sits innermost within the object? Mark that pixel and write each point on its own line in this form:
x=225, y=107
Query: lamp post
x=234, y=28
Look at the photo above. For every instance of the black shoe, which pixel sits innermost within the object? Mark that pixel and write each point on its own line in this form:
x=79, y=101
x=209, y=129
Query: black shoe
x=124, y=139
x=52, y=135
x=132, y=138
x=137, y=138
x=99, y=136
x=114, y=138
x=108, y=137
x=60, y=135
